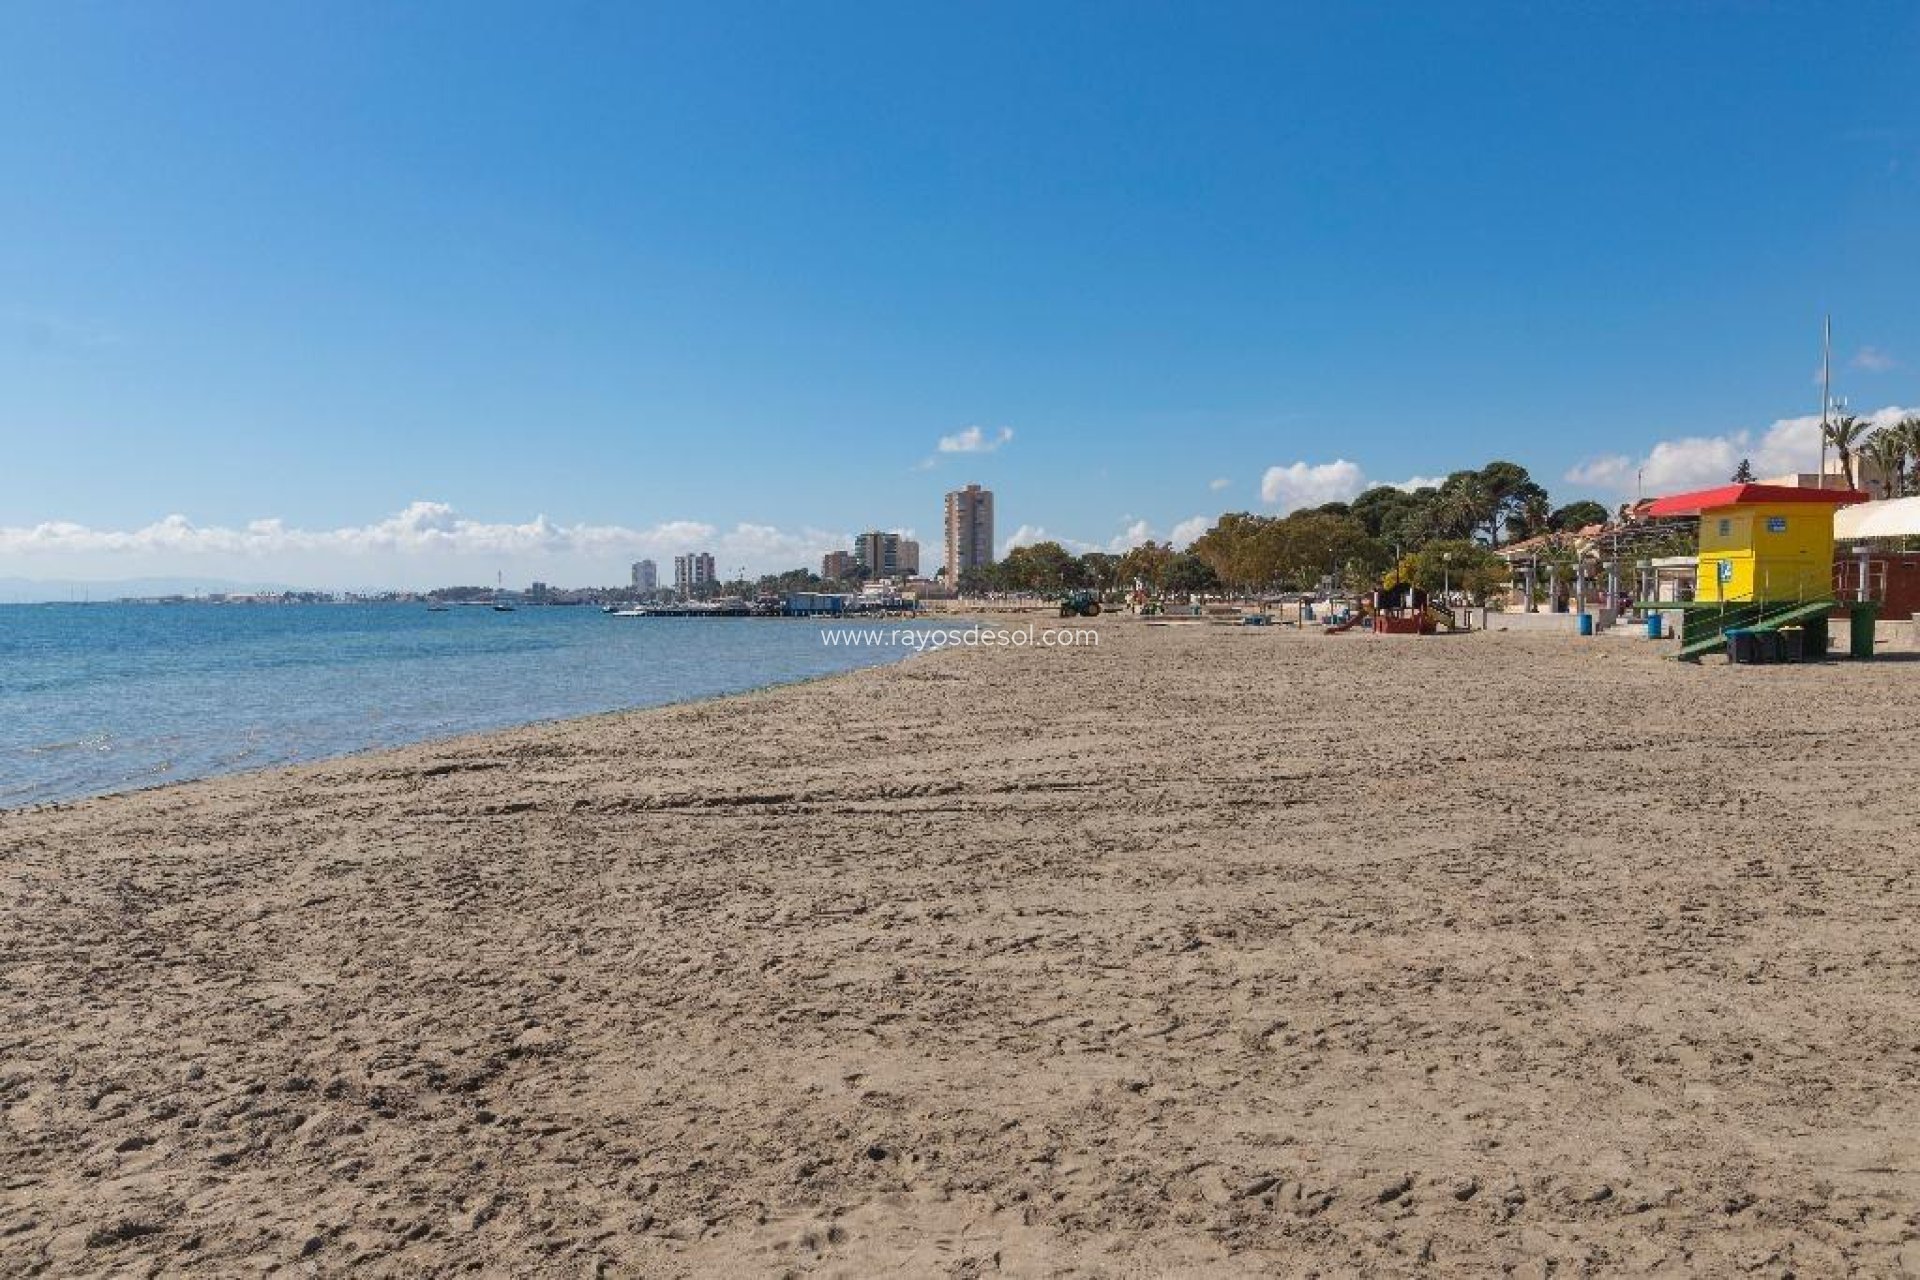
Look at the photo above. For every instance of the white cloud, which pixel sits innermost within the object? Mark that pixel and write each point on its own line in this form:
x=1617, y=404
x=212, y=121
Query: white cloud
x=1789, y=445
x=1613, y=471
x=1025, y=536
x=1693, y=461
x=1310, y=485
x=975, y=440
x=1134, y=534
x=425, y=538
x=1417, y=482
x=1219, y=484
x=1188, y=530
x=1872, y=360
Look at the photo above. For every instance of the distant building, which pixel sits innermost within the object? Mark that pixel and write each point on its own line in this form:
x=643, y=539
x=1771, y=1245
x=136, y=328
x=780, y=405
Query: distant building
x=879, y=554
x=837, y=566
x=969, y=530
x=693, y=574
x=909, y=558
x=646, y=577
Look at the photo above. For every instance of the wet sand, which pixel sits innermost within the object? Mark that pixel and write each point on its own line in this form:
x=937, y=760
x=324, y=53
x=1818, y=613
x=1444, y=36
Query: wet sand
x=1211, y=951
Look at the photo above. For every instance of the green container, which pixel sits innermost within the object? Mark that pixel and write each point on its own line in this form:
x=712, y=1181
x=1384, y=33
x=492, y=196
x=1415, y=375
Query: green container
x=1860, y=634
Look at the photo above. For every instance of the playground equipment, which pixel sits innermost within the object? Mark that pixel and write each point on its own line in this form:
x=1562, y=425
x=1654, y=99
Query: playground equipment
x=1397, y=609
x=1402, y=610
x=1347, y=622
x=1080, y=604
x=1766, y=564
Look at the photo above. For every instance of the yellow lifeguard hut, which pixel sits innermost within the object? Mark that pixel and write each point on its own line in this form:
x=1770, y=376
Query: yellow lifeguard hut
x=1766, y=559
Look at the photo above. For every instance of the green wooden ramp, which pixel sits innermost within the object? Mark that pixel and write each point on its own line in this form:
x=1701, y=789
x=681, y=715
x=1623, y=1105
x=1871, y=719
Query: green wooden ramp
x=1763, y=617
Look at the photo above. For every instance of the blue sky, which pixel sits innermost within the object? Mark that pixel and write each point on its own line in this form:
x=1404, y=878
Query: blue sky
x=389, y=282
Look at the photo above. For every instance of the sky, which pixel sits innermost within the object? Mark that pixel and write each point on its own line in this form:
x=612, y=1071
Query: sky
x=357, y=295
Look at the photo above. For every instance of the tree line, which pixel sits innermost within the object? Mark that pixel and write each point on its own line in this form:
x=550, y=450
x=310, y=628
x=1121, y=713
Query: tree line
x=1438, y=535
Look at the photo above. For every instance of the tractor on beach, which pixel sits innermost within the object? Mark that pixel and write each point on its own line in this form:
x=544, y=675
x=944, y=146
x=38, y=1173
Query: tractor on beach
x=1080, y=604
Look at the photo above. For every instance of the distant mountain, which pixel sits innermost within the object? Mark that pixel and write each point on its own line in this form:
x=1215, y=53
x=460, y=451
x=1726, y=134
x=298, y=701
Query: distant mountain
x=36, y=591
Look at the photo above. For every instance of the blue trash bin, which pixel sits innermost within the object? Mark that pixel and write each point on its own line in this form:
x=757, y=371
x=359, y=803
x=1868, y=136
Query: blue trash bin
x=1586, y=624
x=1653, y=626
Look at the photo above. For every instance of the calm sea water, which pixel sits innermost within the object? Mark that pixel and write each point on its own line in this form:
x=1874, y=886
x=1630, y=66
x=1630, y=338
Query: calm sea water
x=99, y=698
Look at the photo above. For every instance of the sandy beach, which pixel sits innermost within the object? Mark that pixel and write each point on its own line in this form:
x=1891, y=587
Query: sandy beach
x=1209, y=951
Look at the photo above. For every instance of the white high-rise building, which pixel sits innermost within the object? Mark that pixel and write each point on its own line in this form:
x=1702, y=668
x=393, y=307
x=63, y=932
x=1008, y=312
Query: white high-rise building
x=693, y=574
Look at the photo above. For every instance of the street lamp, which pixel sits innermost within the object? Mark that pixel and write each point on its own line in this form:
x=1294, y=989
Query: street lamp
x=1446, y=577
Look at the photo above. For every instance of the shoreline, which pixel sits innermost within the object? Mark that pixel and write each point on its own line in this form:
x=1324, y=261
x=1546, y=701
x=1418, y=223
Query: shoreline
x=477, y=736
x=1217, y=950
x=354, y=752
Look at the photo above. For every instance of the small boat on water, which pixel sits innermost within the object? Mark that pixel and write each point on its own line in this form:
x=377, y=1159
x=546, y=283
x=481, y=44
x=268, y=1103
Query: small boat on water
x=438, y=608
x=503, y=608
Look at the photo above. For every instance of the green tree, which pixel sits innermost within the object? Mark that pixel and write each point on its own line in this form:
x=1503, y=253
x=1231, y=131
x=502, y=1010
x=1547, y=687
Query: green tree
x=1886, y=449
x=1743, y=474
x=1505, y=494
x=1846, y=434
x=1240, y=549
x=1398, y=517
x=1310, y=545
x=1464, y=505
x=1576, y=516
x=1459, y=564
x=1045, y=567
x=1188, y=574
x=1147, y=563
x=1098, y=569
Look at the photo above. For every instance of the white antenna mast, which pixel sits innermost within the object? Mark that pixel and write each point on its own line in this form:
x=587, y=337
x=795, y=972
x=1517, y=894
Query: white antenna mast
x=1826, y=391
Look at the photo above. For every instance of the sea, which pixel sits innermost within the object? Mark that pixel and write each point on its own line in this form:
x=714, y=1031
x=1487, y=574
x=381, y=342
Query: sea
x=98, y=698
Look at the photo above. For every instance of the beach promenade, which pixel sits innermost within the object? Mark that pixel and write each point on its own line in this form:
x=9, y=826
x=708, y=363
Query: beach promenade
x=1207, y=951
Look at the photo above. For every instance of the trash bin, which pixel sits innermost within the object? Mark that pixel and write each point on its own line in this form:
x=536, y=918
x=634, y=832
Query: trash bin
x=1586, y=624
x=1653, y=626
x=1742, y=646
x=1793, y=644
x=1860, y=630
x=1768, y=644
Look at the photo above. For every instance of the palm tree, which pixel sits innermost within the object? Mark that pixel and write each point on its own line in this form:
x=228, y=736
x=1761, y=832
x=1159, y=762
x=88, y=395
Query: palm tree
x=1464, y=506
x=1909, y=429
x=1886, y=449
x=1845, y=434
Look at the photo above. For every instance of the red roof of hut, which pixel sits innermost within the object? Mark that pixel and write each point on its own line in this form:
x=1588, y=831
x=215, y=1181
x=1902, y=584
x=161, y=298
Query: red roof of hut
x=1747, y=495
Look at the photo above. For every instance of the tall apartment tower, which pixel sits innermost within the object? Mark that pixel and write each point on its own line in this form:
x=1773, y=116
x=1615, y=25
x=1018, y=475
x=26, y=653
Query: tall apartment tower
x=878, y=554
x=646, y=576
x=693, y=574
x=909, y=557
x=969, y=530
